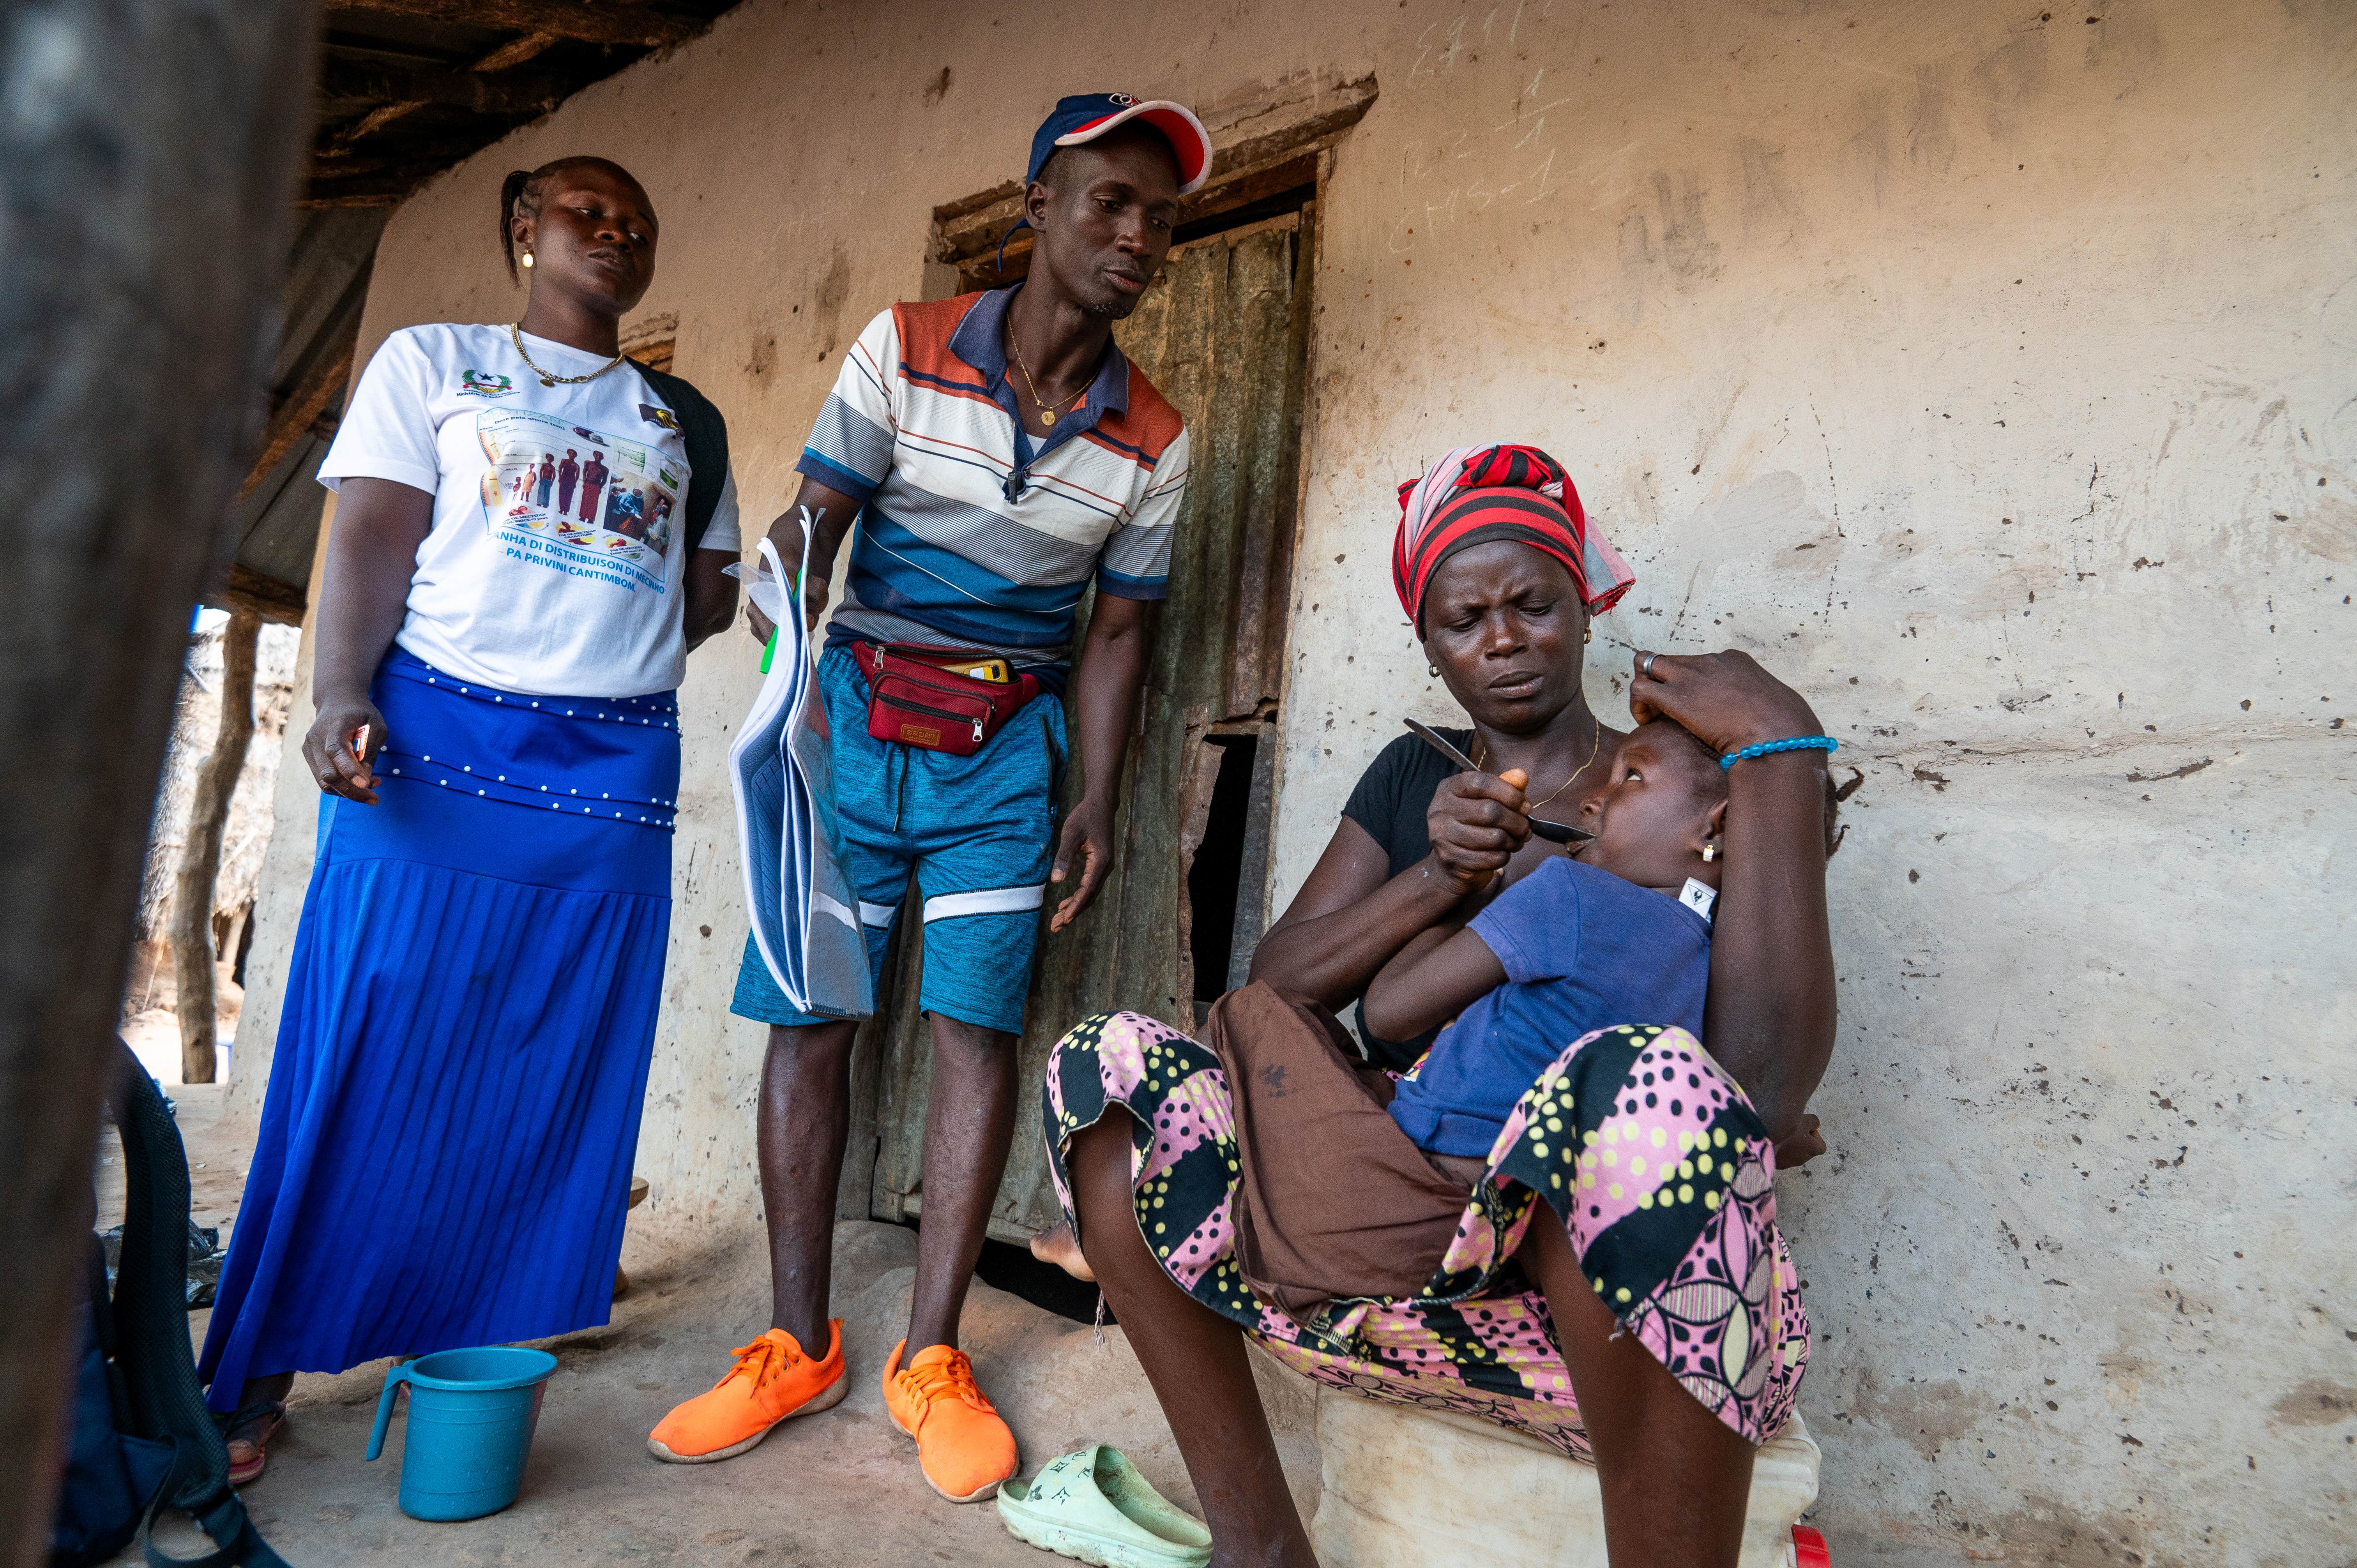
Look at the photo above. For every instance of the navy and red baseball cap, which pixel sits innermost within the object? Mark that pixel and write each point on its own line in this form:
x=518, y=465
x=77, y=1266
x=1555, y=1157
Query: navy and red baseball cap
x=1085, y=117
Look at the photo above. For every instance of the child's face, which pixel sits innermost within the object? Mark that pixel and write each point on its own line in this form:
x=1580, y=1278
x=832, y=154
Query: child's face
x=1654, y=812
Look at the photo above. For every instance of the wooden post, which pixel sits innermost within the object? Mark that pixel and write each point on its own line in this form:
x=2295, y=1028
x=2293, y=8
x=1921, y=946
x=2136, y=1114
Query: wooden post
x=152, y=150
x=192, y=898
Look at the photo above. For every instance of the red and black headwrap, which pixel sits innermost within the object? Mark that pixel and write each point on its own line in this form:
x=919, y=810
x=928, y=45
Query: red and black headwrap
x=1480, y=495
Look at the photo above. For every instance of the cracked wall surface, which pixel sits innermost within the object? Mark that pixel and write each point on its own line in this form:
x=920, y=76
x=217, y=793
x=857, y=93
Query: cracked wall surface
x=1990, y=372
x=1994, y=377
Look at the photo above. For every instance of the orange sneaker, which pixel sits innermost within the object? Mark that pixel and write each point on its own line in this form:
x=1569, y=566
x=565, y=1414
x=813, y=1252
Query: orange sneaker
x=962, y=1446
x=772, y=1379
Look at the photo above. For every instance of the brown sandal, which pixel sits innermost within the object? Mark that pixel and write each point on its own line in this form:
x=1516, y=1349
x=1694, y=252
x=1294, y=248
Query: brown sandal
x=248, y=1432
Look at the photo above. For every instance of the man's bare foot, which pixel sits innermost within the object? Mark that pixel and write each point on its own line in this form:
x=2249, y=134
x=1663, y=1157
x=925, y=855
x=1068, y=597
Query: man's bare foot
x=1057, y=1247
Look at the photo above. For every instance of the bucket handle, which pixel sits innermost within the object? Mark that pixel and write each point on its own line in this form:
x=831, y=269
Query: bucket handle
x=392, y=1381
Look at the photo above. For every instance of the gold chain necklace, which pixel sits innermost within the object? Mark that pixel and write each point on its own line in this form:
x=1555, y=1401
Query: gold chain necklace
x=1480, y=760
x=1031, y=382
x=550, y=378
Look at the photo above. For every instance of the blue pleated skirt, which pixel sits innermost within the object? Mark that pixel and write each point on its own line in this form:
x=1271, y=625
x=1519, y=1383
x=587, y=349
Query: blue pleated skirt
x=446, y=1146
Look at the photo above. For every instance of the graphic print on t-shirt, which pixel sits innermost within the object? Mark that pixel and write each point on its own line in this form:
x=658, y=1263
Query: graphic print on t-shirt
x=482, y=383
x=582, y=502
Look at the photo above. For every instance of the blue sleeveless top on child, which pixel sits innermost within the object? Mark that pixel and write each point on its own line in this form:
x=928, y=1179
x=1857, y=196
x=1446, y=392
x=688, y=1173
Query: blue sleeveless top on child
x=1582, y=950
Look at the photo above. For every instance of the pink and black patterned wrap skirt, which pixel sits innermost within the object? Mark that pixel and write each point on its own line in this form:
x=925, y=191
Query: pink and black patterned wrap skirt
x=1642, y=1149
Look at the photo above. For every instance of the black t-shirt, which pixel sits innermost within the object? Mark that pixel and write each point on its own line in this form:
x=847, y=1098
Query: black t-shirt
x=1391, y=802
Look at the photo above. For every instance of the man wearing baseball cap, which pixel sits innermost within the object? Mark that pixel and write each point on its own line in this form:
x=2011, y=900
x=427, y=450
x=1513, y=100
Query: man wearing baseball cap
x=1000, y=454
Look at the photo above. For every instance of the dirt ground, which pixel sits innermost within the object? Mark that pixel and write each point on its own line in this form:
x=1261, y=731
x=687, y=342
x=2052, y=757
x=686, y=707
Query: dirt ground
x=839, y=1490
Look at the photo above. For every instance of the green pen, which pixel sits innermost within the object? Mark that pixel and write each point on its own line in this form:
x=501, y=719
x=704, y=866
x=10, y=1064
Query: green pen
x=770, y=652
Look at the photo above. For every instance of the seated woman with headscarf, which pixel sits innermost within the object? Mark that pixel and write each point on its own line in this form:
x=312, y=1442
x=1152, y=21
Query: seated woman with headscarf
x=1643, y=1315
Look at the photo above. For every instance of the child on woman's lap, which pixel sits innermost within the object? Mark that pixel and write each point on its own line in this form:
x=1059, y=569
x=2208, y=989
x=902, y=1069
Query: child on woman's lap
x=1616, y=932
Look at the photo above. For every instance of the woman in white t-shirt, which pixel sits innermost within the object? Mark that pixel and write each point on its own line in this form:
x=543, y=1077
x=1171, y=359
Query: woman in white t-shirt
x=444, y=1152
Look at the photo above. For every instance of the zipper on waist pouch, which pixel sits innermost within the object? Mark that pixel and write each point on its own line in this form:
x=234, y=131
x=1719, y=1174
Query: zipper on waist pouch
x=933, y=712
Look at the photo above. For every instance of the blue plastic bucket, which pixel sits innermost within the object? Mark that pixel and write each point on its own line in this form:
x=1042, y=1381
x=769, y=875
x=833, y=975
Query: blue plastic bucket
x=471, y=1414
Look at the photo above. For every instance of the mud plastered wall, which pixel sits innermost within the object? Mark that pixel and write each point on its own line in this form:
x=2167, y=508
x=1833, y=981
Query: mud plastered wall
x=1989, y=372
x=1956, y=363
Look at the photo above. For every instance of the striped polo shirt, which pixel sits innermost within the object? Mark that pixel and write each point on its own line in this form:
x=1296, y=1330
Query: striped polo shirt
x=971, y=533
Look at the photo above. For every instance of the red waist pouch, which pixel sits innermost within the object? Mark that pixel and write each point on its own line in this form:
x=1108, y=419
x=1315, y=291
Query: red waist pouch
x=913, y=701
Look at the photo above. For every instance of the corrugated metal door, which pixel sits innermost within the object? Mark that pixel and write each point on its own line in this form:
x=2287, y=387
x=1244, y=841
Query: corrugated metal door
x=1224, y=335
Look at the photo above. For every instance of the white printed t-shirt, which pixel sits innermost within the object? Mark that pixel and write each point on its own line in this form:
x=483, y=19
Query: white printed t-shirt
x=553, y=567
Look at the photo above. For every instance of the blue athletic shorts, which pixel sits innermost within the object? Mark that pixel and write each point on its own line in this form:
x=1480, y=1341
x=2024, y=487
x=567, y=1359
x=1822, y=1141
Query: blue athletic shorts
x=979, y=832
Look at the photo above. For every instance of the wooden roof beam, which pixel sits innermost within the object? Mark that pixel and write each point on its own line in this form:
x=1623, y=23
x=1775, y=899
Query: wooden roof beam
x=515, y=51
x=296, y=410
x=367, y=125
x=522, y=95
x=369, y=190
x=356, y=180
x=265, y=598
x=614, y=23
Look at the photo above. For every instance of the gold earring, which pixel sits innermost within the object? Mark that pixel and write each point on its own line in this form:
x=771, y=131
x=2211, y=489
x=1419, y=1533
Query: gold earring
x=527, y=261
x=1709, y=852
x=1589, y=636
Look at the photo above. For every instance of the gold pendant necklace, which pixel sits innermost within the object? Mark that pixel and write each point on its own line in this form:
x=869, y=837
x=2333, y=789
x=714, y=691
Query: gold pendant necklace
x=1480, y=760
x=550, y=378
x=1031, y=382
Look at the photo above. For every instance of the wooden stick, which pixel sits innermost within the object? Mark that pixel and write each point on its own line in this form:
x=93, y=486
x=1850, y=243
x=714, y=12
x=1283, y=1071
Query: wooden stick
x=193, y=897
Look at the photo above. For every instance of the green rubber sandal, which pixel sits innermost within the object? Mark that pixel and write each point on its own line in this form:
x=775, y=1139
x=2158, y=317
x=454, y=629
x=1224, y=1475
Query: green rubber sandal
x=1094, y=1506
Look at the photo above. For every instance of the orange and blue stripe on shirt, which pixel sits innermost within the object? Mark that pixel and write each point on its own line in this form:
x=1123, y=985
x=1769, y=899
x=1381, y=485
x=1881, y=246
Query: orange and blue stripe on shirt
x=971, y=533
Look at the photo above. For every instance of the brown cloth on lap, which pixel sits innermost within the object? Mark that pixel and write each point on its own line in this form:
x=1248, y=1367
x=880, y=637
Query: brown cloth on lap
x=1333, y=1199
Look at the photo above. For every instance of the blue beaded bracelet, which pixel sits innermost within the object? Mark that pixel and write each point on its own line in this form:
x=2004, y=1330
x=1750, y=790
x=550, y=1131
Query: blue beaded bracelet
x=1798, y=743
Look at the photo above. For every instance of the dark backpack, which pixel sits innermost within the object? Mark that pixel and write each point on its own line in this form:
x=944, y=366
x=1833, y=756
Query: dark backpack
x=111, y=1477
x=143, y=1439
x=707, y=436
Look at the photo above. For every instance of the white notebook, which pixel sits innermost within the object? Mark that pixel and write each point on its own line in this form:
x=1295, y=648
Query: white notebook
x=804, y=913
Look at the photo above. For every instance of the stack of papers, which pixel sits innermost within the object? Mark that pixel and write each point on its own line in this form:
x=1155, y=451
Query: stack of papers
x=805, y=916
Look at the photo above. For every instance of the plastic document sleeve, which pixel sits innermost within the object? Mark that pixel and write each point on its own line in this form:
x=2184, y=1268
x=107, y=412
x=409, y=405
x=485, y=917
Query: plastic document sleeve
x=804, y=914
